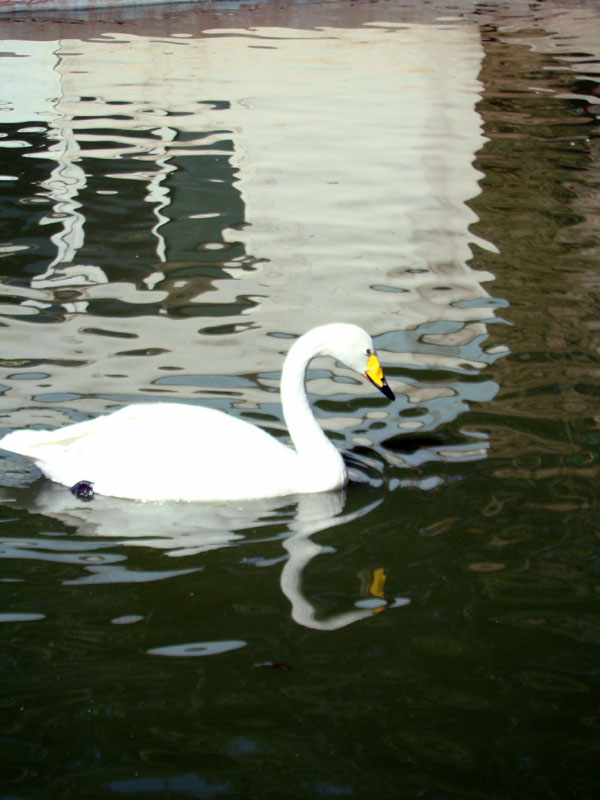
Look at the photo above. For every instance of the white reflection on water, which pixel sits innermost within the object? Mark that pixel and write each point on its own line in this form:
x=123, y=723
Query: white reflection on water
x=21, y=617
x=353, y=206
x=270, y=188
x=188, y=529
x=194, y=649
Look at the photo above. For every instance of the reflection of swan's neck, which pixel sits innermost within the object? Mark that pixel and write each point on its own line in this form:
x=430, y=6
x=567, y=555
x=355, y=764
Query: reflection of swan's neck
x=315, y=513
x=306, y=433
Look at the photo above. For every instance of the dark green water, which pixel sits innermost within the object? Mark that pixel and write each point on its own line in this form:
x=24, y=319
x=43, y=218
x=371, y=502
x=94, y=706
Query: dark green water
x=433, y=632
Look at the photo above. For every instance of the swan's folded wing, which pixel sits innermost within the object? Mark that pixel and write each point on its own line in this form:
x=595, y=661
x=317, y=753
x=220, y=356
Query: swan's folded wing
x=160, y=452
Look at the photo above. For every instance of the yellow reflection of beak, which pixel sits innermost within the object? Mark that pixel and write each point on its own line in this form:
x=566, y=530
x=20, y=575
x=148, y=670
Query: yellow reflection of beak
x=377, y=582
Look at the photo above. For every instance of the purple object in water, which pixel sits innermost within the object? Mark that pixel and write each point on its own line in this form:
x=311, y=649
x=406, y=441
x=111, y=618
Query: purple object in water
x=84, y=490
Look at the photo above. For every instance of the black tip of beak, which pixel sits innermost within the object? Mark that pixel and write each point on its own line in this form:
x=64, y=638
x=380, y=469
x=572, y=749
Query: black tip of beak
x=384, y=389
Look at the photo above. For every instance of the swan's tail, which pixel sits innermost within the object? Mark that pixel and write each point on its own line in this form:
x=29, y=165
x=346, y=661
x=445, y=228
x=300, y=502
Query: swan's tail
x=24, y=442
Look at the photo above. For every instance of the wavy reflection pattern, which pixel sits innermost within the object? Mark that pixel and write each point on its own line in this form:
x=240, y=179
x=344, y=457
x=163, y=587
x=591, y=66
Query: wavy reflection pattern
x=189, y=529
x=203, y=204
x=173, y=228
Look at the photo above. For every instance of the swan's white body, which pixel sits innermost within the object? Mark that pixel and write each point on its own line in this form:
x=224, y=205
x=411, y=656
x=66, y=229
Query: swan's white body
x=174, y=451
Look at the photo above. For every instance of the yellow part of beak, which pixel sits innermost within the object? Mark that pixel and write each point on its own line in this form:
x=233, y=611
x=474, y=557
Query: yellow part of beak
x=375, y=374
x=374, y=371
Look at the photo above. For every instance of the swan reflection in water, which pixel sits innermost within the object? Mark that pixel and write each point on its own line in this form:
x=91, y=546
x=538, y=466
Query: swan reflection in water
x=188, y=529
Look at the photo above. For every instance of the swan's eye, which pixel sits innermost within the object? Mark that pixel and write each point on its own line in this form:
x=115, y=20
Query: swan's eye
x=369, y=352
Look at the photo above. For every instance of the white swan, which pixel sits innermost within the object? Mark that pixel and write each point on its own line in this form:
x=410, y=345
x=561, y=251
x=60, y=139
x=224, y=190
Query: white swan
x=175, y=451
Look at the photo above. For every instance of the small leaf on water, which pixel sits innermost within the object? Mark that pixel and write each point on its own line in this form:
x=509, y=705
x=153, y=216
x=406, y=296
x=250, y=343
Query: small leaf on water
x=486, y=566
x=441, y=526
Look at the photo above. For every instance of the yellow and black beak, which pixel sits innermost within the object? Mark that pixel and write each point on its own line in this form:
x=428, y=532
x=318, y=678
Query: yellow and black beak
x=375, y=374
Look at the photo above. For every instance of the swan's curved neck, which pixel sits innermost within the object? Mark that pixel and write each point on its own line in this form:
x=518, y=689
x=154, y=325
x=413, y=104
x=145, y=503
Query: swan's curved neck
x=306, y=433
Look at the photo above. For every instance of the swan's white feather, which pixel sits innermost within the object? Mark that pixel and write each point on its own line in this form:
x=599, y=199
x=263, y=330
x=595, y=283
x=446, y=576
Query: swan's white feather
x=175, y=451
x=159, y=451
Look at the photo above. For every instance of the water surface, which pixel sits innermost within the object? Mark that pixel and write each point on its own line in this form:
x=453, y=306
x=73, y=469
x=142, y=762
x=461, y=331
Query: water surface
x=184, y=191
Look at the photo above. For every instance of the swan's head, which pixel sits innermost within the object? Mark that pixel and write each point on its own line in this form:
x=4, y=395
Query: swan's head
x=354, y=347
